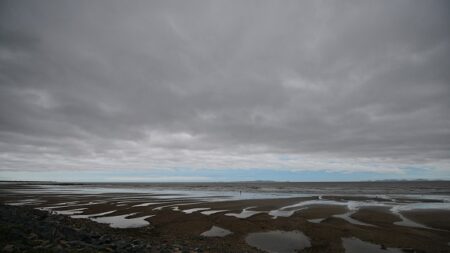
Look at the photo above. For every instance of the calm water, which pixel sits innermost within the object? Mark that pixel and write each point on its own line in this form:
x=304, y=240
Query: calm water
x=245, y=189
x=279, y=241
x=354, y=245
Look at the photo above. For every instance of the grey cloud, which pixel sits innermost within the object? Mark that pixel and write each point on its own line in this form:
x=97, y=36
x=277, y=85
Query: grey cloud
x=348, y=79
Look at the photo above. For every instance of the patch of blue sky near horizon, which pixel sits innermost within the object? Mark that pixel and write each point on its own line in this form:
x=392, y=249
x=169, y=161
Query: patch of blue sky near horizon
x=217, y=175
x=200, y=165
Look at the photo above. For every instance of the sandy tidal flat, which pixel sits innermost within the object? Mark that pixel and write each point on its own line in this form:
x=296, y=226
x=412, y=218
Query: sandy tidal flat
x=217, y=222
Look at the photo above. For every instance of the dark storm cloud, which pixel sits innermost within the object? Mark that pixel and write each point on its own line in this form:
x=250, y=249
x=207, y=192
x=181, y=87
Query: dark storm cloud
x=103, y=82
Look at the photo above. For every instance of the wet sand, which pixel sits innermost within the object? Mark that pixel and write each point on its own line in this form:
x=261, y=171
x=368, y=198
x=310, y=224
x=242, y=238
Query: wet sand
x=180, y=220
x=171, y=226
x=439, y=219
x=326, y=236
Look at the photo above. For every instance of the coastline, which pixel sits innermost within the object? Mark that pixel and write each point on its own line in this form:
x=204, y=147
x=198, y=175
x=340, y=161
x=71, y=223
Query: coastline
x=168, y=222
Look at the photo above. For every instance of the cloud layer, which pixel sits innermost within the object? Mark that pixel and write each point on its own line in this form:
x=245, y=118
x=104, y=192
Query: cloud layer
x=294, y=85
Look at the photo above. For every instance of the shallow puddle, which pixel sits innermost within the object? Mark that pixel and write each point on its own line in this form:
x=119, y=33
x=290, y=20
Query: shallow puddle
x=281, y=213
x=316, y=220
x=70, y=212
x=122, y=221
x=87, y=216
x=354, y=245
x=244, y=214
x=212, y=212
x=407, y=222
x=174, y=205
x=25, y=202
x=348, y=218
x=146, y=204
x=68, y=204
x=216, y=232
x=416, y=206
x=193, y=210
x=279, y=241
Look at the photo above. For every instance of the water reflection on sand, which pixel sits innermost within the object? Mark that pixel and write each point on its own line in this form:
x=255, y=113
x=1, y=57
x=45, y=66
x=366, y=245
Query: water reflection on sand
x=279, y=241
x=244, y=214
x=354, y=245
x=216, y=232
x=123, y=221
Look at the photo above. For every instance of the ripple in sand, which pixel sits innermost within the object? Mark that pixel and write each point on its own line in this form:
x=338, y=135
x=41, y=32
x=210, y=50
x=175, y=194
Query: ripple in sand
x=354, y=245
x=122, y=221
x=216, y=232
x=279, y=241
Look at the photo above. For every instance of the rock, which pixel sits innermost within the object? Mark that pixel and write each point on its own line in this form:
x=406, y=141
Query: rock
x=30, y=230
x=177, y=250
x=63, y=243
x=58, y=249
x=32, y=236
x=8, y=248
x=77, y=244
x=69, y=233
x=108, y=249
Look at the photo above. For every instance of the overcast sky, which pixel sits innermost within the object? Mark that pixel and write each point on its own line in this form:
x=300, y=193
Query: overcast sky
x=212, y=90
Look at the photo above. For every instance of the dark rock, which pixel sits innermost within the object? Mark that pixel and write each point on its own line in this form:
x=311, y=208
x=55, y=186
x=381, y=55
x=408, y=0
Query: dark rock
x=29, y=230
x=8, y=248
x=105, y=239
x=108, y=249
x=32, y=236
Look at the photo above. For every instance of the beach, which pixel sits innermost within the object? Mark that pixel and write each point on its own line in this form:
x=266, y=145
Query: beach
x=198, y=218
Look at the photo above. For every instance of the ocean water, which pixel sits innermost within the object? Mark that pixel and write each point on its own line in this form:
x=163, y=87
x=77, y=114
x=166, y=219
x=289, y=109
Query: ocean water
x=243, y=190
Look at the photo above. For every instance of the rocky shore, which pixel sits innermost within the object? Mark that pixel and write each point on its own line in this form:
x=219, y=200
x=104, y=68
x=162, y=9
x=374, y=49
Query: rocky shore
x=25, y=229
